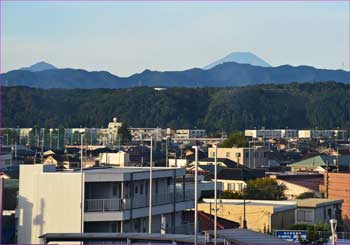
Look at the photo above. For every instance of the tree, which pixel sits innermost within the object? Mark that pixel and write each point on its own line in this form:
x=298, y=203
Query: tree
x=235, y=139
x=124, y=134
x=230, y=195
x=307, y=195
x=264, y=189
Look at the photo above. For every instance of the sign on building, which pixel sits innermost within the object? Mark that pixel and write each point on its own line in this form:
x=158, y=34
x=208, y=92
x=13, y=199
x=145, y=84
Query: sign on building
x=290, y=235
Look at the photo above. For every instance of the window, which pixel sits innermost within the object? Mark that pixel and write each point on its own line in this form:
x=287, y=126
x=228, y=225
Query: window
x=246, y=155
x=136, y=189
x=228, y=154
x=114, y=190
x=303, y=215
x=141, y=189
x=114, y=227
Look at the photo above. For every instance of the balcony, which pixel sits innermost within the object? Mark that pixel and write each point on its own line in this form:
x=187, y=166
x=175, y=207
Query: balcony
x=105, y=205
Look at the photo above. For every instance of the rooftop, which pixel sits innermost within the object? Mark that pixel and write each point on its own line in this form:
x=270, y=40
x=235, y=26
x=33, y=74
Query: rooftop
x=316, y=202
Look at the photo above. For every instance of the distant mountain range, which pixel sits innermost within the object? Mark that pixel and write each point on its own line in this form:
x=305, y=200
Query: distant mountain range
x=241, y=58
x=227, y=74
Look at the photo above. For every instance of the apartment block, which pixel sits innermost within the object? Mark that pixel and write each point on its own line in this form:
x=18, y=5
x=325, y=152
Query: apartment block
x=323, y=134
x=252, y=157
x=271, y=133
x=114, y=200
x=190, y=133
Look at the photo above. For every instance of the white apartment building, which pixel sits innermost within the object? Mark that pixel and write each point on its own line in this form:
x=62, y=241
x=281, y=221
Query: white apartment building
x=271, y=133
x=323, y=134
x=140, y=134
x=114, y=200
x=190, y=133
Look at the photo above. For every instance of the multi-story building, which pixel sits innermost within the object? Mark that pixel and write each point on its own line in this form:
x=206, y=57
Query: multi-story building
x=271, y=133
x=323, y=134
x=114, y=200
x=139, y=134
x=252, y=157
x=317, y=210
x=190, y=133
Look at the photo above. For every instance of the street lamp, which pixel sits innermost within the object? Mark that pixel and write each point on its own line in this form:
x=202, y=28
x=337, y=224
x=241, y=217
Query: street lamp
x=333, y=223
x=81, y=183
x=196, y=196
x=166, y=152
x=150, y=189
x=215, y=194
x=51, y=138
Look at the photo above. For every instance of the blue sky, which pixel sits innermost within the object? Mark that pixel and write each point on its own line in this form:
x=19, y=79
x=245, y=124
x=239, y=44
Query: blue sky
x=128, y=37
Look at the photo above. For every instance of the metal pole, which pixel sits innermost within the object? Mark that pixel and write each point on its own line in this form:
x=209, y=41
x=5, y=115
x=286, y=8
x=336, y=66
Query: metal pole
x=215, y=195
x=254, y=155
x=58, y=138
x=166, y=152
x=1, y=198
x=50, y=139
x=82, y=186
x=196, y=196
x=150, y=189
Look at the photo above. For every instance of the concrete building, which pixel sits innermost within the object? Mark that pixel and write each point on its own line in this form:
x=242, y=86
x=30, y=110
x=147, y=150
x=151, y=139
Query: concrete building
x=119, y=159
x=145, y=134
x=115, y=200
x=317, y=210
x=337, y=186
x=323, y=134
x=252, y=157
x=271, y=133
x=261, y=216
x=190, y=133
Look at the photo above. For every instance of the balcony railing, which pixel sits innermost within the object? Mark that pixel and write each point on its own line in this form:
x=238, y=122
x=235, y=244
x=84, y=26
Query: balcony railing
x=104, y=205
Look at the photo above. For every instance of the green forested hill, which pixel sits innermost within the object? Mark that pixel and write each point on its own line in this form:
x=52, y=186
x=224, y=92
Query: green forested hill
x=296, y=105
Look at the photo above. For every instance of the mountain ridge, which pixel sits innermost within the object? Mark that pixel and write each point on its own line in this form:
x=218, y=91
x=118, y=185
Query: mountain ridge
x=229, y=74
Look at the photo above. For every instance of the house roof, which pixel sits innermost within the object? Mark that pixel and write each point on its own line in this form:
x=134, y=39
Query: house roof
x=206, y=221
x=239, y=174
x=322, y=160
x=316, y=202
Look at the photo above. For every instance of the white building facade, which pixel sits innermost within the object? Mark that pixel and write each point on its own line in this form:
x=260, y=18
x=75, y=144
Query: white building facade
x=114, y=200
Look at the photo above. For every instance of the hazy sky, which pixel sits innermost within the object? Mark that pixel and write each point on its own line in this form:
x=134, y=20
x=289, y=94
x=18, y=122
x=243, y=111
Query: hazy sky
x=126, y=38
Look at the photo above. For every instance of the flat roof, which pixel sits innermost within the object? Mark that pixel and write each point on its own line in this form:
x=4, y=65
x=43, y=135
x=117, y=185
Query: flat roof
x=278, y=206
x=243, y=236
x=70, y=237
x=316, y=202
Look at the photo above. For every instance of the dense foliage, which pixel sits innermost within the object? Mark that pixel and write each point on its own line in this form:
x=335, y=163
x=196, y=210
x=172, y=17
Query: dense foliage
x=264, y=189
x=308, y=105
x=236, y=139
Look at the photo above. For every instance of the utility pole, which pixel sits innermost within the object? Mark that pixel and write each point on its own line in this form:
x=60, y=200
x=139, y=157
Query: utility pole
x=327, y=178
x=196, y=196
x=215, y=195
x=81, y=185
x=166, y=153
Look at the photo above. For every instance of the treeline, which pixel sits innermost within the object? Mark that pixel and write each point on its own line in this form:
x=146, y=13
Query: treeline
x=296, y=105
